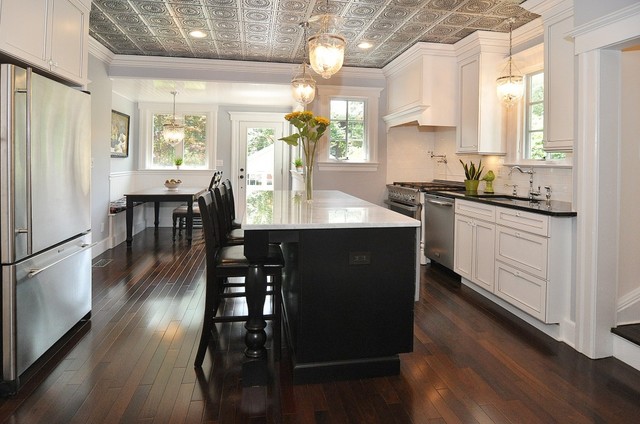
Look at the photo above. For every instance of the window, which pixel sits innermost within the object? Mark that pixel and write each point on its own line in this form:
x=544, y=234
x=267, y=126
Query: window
x=353, y=133
x=192, y=150
x=347, y=130
x=196, y=150
x=534, y=120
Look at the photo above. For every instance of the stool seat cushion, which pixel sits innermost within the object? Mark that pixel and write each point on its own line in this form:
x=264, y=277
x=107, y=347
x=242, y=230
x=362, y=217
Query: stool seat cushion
x=233, y=257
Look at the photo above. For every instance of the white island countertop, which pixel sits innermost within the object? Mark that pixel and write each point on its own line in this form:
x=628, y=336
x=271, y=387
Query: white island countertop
x=289, y=210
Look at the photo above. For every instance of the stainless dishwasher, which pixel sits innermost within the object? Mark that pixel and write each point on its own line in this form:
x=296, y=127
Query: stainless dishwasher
x=439, y=216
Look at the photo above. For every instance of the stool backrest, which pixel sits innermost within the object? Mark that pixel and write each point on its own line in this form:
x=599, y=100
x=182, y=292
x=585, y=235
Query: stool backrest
x=232, y=207
x=210, y=222
x=221, y=199
x=215, y=179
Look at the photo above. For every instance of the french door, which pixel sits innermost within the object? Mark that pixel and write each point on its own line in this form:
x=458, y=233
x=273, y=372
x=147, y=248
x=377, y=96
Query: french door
x=259, y=160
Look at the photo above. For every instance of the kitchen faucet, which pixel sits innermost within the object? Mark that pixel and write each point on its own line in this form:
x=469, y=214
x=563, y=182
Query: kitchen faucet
x=532, y=192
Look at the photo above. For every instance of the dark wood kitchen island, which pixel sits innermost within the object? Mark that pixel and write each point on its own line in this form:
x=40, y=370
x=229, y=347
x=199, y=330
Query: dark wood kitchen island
x=348, y=287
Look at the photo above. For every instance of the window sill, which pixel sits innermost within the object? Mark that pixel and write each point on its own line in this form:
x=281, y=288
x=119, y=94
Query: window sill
x=348, y=166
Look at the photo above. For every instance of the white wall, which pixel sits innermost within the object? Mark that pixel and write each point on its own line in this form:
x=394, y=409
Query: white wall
x=100, y=88
x=588, y=10
x=629, y=240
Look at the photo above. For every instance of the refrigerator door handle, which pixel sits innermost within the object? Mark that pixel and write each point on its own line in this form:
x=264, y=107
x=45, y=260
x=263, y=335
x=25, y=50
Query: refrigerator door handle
x=35, y=271
x=29, y=200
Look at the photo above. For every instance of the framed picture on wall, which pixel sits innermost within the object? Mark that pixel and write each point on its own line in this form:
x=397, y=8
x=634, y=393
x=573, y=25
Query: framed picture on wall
x=119, y=134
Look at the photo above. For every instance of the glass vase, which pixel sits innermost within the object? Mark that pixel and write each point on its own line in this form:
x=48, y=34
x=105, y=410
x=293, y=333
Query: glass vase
x=308, y=182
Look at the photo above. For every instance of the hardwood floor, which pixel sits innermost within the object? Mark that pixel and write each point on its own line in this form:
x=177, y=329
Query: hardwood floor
x=472, y=362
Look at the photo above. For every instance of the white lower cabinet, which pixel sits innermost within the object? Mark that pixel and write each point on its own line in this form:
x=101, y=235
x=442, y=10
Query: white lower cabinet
x=474, y=244
x=524, y=258
x=522, y=290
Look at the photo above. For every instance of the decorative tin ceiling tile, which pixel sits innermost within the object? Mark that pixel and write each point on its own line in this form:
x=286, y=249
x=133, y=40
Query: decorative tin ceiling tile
x=222, y=13
x=445, y=4
x=188, y=11
x=269, y=30
x=477, y=6
x=488, y=23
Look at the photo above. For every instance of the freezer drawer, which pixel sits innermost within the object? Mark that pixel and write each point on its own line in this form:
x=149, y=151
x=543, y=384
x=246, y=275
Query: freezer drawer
x=43, y=298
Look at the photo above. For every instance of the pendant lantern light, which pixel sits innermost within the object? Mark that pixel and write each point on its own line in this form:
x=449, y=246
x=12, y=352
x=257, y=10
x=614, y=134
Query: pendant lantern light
x=303, y=86
x=326, y=46
x=511, y=86
x=172, y=131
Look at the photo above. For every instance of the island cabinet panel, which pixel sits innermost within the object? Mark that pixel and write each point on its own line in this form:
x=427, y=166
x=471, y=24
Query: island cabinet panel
x=348, y=296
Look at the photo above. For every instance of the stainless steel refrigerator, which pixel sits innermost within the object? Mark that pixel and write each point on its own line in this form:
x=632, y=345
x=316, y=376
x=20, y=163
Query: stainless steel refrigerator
x=45, y=216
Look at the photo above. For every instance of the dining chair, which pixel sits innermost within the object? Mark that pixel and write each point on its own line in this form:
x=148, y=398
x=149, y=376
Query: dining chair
x=224, y=262
x=179, y=214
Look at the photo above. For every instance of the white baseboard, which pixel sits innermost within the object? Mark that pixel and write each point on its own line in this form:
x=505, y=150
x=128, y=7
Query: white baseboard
x=100, y=247
x=627, y=352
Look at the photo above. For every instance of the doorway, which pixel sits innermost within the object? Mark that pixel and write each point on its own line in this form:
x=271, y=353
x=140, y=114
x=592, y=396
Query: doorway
x=259, y=160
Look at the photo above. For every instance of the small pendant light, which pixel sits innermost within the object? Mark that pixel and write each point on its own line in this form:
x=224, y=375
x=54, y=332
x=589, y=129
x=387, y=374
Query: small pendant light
x=511, y=86
x=303, y=86
x=172, y=131
x=326, y=46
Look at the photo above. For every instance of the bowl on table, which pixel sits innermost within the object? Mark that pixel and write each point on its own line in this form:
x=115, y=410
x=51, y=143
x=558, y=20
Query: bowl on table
x=172, y=184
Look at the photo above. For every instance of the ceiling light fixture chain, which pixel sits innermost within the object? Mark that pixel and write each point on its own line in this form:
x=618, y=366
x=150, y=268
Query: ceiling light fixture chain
x=172, y=131
x=511, y=86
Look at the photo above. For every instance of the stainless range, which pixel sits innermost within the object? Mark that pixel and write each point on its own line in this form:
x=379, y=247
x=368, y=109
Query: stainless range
x=408, y=198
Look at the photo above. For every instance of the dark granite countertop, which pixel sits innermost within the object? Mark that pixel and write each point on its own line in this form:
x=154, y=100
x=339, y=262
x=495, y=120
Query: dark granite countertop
x=551, y=208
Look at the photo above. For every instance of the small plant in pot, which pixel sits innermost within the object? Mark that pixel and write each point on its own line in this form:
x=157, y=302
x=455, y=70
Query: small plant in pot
x=472, y=175
x=298, y=164
x=177, y=162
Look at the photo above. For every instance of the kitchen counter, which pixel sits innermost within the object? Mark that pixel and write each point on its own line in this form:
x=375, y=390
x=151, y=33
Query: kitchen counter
x=287, y=210
x=552, y=208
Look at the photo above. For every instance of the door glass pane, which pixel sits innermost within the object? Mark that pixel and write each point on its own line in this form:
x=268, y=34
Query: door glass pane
x=260, y=163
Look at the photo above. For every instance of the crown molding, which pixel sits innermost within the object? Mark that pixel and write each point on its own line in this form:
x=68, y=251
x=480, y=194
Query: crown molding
x=618, y=27
x=418, y=51
x=99, y=51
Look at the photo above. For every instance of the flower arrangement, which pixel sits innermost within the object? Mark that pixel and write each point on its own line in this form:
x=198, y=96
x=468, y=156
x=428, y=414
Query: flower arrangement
x=309, y=129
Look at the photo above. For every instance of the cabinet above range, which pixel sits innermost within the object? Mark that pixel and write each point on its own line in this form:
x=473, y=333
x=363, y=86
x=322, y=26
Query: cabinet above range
x=421, y=87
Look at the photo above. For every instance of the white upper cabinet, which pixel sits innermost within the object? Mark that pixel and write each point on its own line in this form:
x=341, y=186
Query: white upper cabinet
x=421, y=86
x=480, y=115
x=559, y=73
x=559, y=83
x=48, y=34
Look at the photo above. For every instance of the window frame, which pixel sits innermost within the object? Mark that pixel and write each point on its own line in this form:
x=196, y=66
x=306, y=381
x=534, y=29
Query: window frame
x=371, y=97
x=146, y=112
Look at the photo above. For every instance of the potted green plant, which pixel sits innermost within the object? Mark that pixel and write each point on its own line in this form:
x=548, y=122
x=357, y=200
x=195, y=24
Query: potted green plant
x=472, y=175
x=298, y=164
x=177, y=162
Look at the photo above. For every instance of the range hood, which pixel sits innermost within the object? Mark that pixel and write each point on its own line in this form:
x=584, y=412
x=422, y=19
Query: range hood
x=422, y=87
x=417, y=115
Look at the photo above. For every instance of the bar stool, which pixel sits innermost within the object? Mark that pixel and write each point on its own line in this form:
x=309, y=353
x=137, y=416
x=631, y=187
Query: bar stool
x=224, y=262
x=232, y=205
x=231, y=236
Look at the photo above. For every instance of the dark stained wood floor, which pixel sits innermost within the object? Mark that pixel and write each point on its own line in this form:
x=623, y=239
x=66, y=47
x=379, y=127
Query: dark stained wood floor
x=133, y=362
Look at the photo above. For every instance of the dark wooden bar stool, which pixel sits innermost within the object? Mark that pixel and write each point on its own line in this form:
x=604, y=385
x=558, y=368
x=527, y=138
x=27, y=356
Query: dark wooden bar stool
x=231, y=236
x=223, y=262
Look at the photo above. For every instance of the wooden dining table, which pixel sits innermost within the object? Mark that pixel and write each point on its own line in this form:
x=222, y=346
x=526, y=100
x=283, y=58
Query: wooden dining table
x=158, y=195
